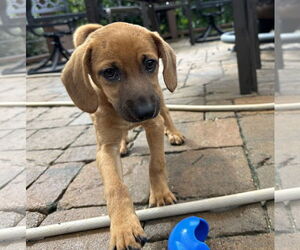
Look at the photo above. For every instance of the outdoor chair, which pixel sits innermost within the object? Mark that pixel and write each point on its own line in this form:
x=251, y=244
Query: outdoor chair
x=47, y=16
x=12, y=15
x=210, y=10
x=150, y=11
x=156, y=9
x=122, y=10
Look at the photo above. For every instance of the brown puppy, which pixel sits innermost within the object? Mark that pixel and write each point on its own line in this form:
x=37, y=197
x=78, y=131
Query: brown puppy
x=113, y=74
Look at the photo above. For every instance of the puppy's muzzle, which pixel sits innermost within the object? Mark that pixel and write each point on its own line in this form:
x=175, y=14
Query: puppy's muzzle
x=141, y=109
x=145, y=111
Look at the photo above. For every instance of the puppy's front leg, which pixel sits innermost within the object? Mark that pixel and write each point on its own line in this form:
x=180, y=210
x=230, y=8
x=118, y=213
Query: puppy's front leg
x=125, y=228
x=160, y=193
x=174, y=136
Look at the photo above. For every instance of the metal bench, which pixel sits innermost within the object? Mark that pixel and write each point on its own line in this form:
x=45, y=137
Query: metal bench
x=48, y=15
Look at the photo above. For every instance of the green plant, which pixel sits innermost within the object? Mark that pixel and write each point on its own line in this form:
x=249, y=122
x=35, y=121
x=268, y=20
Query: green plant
x=11, y=45
x=76, y=6
x=35, y=45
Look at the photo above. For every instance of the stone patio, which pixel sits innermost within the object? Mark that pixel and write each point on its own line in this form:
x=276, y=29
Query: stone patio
x=225, y=153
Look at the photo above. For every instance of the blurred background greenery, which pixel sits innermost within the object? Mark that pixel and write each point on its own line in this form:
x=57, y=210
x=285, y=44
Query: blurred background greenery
x=37, y=45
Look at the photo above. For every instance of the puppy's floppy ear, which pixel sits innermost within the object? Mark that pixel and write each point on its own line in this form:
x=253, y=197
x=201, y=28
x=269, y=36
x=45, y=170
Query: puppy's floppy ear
x=168, y=57
x=76, y=80
x=83, y=32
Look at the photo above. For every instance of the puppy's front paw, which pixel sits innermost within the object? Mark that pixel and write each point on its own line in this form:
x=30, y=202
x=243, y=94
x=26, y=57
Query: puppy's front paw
x=175, y=138
x=161, y=198
x=127, y=234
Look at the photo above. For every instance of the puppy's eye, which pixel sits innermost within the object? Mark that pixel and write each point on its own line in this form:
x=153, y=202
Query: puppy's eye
x=150, y=65
x=111, y=74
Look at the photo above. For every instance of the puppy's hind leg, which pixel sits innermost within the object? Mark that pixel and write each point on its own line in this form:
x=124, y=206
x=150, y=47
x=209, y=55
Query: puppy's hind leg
x=174, y=136
x=124, y=142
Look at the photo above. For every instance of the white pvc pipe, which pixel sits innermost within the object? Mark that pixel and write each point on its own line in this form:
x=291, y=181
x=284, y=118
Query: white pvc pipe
x=58, y=74
x=12, y=233
x=172, y=107
x=38, y=104
x=154, y=213
x=23, y=75
x=218, y=108
x=229, y=37
x=150, y=213
x=287, y=106
x=289, y=194
x=158, y=212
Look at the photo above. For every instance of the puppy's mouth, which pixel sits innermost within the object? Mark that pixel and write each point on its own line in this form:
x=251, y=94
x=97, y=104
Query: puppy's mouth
x=138, y=111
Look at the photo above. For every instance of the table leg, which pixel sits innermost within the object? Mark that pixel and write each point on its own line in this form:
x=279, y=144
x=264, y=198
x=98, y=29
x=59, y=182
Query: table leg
x=92, y=11
x=171, y=16
x=279, y=62
x=187, y=8
x=145, y=18
x=253, y=30
x=152, y=17
x=246, y=64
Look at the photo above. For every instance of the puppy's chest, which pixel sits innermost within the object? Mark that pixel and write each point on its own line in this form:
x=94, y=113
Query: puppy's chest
x=110, y=120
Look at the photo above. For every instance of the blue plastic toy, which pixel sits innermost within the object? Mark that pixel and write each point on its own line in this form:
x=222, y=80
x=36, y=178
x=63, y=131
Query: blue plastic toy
x=189, y=234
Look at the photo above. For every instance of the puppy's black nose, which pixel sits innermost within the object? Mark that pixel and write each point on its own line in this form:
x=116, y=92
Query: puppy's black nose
x=145, y=111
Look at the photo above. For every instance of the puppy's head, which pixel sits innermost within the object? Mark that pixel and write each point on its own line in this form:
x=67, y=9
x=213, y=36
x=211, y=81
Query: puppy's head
x=122, y=61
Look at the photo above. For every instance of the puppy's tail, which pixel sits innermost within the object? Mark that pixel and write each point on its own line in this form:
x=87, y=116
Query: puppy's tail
x=82, y=33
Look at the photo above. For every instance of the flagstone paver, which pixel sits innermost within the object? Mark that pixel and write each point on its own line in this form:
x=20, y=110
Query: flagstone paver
x=54, y=138
x=82, y=193
x=54, y=117
x=287, y=241
x=87, y=138
x=249, y=242
x=43, y=157
x=213, y=172
x=258, y=132
x=86, y=189
x=74, y=214
x=13, y=195
x=43, y=194
x=34, y=219
x=9, y=219
x=200, y=134
x=84, y=153
x=224, y=223
x=95, y=239
x=281, y=220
